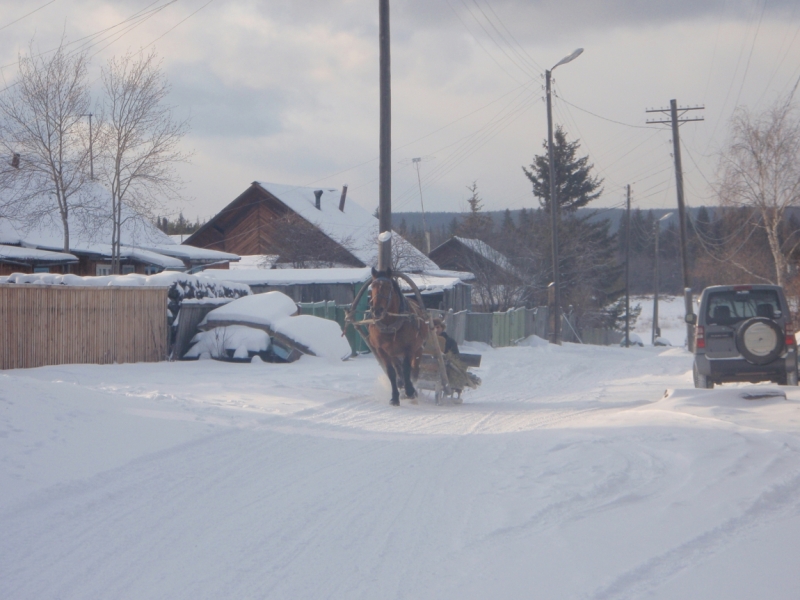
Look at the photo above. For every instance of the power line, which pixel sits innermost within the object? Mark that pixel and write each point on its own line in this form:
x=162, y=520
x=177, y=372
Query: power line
x=27, y=15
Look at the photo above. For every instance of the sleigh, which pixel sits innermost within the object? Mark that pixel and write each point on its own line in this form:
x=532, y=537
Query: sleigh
x=430, y=376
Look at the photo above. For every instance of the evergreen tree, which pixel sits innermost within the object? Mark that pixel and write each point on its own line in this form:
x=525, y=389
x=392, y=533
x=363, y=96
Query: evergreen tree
x=476, y=225
x=575, y=187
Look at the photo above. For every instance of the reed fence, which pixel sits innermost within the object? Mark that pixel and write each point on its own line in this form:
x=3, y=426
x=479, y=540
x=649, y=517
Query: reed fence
x=53, y=325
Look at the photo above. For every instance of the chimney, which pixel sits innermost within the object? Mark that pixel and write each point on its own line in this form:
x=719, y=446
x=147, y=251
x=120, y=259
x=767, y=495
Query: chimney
x=318, y=195
x=344, y=195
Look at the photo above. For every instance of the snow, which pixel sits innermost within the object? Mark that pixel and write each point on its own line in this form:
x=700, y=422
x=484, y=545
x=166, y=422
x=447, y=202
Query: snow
x=18, y=253
x=165, y=279
x=322, y=336
x=292, y=276
x=276, y=311
x=258, y=262
x=671, y=312
x=262, y=309
x=574, y=472
x=242, y=340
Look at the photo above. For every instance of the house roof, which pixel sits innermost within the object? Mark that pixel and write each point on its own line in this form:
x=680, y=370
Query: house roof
x=290, y=276
x=483, y=250
x=355, y=228
x=140, y=238
x=29, y=256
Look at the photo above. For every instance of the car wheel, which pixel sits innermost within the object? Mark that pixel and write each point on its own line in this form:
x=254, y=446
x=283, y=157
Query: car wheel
x=759, y=340
x=701, y=381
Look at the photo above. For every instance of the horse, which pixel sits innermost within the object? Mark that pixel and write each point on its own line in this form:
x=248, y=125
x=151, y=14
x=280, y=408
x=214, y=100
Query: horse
x=397, y=332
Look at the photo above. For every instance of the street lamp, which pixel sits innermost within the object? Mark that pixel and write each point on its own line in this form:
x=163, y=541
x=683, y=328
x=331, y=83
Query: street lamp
x=556, y=336
x=657, y=230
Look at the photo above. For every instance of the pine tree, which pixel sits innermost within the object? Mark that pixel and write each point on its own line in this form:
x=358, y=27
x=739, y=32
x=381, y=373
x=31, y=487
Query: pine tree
x=476, y=225
x=575, y=187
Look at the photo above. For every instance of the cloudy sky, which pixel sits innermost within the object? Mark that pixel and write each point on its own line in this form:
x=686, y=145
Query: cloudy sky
x=286, y=91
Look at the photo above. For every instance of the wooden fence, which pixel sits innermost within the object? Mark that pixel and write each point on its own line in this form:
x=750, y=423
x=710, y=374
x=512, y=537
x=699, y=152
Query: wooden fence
x=53, y=325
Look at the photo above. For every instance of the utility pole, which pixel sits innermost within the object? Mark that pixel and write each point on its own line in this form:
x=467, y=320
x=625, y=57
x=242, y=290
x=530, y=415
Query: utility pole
x=556, y=336
x=657, y=277
x=427, y=234
x=385, y=160
x=675, y=121
x=628, y=271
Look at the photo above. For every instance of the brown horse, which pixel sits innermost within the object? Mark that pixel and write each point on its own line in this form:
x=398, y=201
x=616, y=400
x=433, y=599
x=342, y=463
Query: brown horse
x=397, y=333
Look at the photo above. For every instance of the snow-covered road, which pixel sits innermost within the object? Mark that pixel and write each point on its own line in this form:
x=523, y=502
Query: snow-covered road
x=568, y=474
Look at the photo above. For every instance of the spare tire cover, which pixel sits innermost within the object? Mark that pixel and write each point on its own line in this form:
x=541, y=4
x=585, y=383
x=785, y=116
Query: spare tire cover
x=759, y=340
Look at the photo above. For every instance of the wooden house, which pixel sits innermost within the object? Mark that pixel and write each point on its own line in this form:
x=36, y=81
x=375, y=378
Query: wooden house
x=304, y=228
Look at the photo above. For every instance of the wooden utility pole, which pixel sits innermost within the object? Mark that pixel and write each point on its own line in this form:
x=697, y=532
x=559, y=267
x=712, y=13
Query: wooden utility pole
x=555, y=337
x=628, y=270
x=385, y=161
x=675, y=121
x=656, y=283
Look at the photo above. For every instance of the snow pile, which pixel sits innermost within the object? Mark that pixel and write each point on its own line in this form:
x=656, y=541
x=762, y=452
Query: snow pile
x=276, y=311
x=322, y=336
x=262, y=309
x=242, y=341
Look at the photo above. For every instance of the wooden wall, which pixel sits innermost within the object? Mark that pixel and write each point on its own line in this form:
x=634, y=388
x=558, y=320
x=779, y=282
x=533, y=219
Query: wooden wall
x=53, y=325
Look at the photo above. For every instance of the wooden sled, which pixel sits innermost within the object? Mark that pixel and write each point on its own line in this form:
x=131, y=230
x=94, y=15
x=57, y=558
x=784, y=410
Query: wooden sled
x=430, y=376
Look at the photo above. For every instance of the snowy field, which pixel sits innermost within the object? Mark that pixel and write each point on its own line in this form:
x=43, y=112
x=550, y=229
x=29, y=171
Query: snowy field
x=573, y=472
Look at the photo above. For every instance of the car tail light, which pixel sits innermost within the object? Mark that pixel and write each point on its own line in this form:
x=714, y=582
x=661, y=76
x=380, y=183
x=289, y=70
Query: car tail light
x=700, y=337
x=790, y=339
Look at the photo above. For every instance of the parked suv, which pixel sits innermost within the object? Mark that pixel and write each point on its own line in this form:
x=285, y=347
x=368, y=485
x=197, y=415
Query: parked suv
x=743, y=333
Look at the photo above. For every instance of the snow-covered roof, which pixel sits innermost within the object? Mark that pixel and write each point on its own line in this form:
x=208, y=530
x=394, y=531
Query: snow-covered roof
x=486, y=251
x=255, y=261
x=356, y=228
x=429, y=283
x=191, y=253
x=19, y=254
x=91, y=234
x=290, y=276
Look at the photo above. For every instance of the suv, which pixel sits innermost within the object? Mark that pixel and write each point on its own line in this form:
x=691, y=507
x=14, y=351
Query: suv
x=743, y=333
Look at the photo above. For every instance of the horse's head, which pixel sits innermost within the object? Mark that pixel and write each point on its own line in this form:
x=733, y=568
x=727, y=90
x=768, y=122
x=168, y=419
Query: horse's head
x=384, y=298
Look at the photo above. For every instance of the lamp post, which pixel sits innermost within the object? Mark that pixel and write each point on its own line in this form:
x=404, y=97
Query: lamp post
x=657, y=230
x=555, y=338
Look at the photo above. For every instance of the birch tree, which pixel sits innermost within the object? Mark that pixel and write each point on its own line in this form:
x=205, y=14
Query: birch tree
x=761, y=170
x=139, y=141
x=44, y=136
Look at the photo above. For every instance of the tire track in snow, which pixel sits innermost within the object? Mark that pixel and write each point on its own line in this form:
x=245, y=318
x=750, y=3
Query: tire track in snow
x=769, y=506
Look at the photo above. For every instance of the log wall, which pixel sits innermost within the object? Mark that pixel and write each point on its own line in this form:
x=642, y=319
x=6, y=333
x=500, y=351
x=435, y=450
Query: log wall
x=53, y=325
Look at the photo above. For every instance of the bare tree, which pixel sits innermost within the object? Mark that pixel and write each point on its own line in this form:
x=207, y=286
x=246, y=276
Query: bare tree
x=42, y=132
x=761, y=170
x=139, y=141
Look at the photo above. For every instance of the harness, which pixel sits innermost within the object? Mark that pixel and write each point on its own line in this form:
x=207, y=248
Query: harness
x=406, y=312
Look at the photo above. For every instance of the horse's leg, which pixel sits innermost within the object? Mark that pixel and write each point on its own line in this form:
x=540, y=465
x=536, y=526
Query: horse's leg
x=410, y=391
x=390, y=371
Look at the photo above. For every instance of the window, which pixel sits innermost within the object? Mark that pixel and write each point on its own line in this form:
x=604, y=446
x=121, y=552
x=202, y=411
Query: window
x=41, y=269
x=730, y=307
x=152, y=270
x=102, y=269
x=126, y=269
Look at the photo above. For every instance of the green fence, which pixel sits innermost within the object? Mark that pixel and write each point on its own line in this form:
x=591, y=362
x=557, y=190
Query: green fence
x=329, y=310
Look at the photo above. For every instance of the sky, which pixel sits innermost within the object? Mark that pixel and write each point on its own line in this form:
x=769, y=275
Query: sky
x=286, y=91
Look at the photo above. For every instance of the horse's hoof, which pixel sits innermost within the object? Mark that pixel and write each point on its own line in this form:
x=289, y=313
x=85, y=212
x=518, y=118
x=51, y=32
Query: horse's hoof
x=394, y=402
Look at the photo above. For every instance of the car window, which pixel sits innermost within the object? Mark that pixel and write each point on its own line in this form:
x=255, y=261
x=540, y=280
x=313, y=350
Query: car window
x=729, y=307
